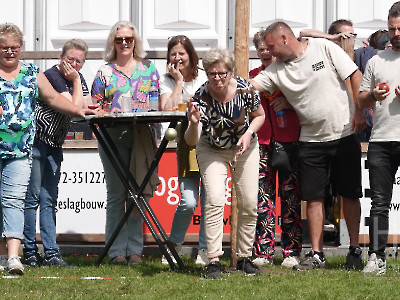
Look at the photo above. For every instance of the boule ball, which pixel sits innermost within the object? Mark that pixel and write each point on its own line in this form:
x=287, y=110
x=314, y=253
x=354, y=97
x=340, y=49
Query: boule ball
x=170, y=134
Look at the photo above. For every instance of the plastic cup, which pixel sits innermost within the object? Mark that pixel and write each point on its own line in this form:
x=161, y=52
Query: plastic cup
x=79, y=135
x=126, y=104
x=69, y=136
x=91, y=103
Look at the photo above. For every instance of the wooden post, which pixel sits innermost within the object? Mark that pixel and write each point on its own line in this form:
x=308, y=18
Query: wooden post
x=242, y=12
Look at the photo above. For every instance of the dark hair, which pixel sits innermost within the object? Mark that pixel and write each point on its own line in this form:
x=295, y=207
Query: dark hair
x=334, y=28
x=187, y=44
x=379, y=39
x=394, y=11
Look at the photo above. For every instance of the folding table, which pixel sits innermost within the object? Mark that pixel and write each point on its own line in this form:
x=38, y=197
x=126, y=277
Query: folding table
x=98, y=124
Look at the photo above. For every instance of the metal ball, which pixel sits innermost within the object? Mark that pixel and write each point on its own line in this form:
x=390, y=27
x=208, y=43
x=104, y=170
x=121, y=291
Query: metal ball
x=170, y=134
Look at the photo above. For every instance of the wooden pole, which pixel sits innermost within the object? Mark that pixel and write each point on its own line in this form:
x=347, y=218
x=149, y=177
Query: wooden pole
x=242, y=11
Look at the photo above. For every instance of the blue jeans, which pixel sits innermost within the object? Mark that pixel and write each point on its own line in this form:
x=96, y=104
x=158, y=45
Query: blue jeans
x=189, y=187
x=43, y=192
x=383, y=161
x=130, y=239
x=15, y=175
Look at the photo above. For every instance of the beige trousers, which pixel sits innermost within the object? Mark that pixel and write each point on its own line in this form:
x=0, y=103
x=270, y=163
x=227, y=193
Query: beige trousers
x=214, y=163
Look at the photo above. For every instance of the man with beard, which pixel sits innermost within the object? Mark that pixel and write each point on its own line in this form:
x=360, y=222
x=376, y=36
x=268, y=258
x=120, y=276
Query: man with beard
x=384, y=147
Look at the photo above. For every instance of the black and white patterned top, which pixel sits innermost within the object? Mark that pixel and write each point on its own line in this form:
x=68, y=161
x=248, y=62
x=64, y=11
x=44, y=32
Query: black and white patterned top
x=224, y=123
x=52, y=126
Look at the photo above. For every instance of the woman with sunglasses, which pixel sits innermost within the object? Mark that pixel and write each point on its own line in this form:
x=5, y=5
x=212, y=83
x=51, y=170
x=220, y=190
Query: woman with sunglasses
x=223, y=119
x=126, y=73
x=182, y=80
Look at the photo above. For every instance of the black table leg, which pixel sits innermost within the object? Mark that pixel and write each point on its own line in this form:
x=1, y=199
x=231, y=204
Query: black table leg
x=137, y=199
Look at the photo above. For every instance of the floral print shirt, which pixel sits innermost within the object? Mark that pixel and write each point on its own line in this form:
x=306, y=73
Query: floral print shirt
x=17, y=123
x=110, y=84
x=224, y=123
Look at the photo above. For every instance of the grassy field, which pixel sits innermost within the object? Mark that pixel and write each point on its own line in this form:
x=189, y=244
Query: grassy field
x=151, y=280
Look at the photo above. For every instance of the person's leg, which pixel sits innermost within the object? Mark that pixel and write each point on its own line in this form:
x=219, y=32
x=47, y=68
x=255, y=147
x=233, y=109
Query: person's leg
x=202, y=232
x=245, y=180
x=48, y=201
x=189, y=188
x=213, y=165
x=264, y=243
x=116, y=191
x=32, y=202
x=315, y=221
x=15, y=174
x=382, y=169
x=292, y=232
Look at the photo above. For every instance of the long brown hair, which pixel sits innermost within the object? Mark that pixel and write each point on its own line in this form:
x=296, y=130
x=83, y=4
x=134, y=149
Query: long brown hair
x=187, y=44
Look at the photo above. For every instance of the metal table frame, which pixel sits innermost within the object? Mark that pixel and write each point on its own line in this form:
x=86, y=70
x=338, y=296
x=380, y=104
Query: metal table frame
x=98, y=125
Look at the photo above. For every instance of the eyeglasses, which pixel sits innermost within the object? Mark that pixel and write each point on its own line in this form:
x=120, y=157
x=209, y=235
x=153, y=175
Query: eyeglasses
x=71, y=60
x=127, y=40
x=12, y=49
x=213, y=75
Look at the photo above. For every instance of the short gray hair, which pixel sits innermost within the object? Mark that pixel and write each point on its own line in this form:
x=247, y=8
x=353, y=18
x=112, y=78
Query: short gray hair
x=215, y=55
x=9, y=28
x=110, y=53
x=75, y=44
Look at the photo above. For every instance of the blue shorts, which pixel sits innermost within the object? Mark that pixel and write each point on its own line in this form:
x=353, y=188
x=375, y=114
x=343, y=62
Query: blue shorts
x=337, y=161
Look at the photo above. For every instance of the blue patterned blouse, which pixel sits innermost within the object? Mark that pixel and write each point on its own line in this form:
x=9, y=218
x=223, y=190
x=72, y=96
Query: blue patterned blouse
x=17, y=123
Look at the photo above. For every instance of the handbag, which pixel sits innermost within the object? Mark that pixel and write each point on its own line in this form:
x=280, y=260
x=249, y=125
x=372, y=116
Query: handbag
x=281, y=153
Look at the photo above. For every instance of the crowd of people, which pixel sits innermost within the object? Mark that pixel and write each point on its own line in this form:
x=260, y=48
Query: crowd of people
x=324, y=90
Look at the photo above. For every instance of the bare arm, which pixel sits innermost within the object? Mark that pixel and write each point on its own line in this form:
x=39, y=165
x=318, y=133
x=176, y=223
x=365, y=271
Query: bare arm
x=192, y=134
x=178, y=78
x=359, y=121
x=368, y=99
x=320, y=34
x=71, y=74
x=257, y=120
x=55, y=100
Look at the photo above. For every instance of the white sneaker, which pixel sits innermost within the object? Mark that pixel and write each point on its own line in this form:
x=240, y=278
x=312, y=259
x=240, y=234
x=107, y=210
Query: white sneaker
x=202, y=258
x=290, y=262
x=3, y=262
x=375, y=265
x=164, y=261
x=15, y=266
x=262, y=261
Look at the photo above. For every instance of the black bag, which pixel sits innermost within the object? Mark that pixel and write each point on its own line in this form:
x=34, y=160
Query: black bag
x=281, y=157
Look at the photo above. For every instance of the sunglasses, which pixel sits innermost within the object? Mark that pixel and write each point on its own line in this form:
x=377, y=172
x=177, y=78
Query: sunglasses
x=353, y=34
x=127, y=40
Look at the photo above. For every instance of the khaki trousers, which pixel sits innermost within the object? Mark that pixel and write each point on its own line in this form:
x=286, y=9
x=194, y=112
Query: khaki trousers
x=214, y=163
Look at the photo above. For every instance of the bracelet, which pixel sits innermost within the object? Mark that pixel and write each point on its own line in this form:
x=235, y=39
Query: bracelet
x=373, y=96
x=253, y=134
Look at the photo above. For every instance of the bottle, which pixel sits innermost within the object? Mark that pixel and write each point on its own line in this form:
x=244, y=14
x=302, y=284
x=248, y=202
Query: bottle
x=153, y=95
x=281, y=119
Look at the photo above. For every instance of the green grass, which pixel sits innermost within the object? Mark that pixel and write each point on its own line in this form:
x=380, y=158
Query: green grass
x=151, y=280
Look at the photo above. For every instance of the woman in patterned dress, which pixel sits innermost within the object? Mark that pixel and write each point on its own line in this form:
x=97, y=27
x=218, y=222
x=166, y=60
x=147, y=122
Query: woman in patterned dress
x=223, y=119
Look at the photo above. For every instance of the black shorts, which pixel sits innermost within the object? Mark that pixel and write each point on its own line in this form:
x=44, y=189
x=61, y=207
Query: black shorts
x=338, y=161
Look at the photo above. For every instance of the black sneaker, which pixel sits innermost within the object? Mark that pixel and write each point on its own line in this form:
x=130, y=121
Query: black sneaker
x=353, y=259
x=55, y=261
x=312, y=261
x=214, y=270
x=246, y=265
x=33, y=261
